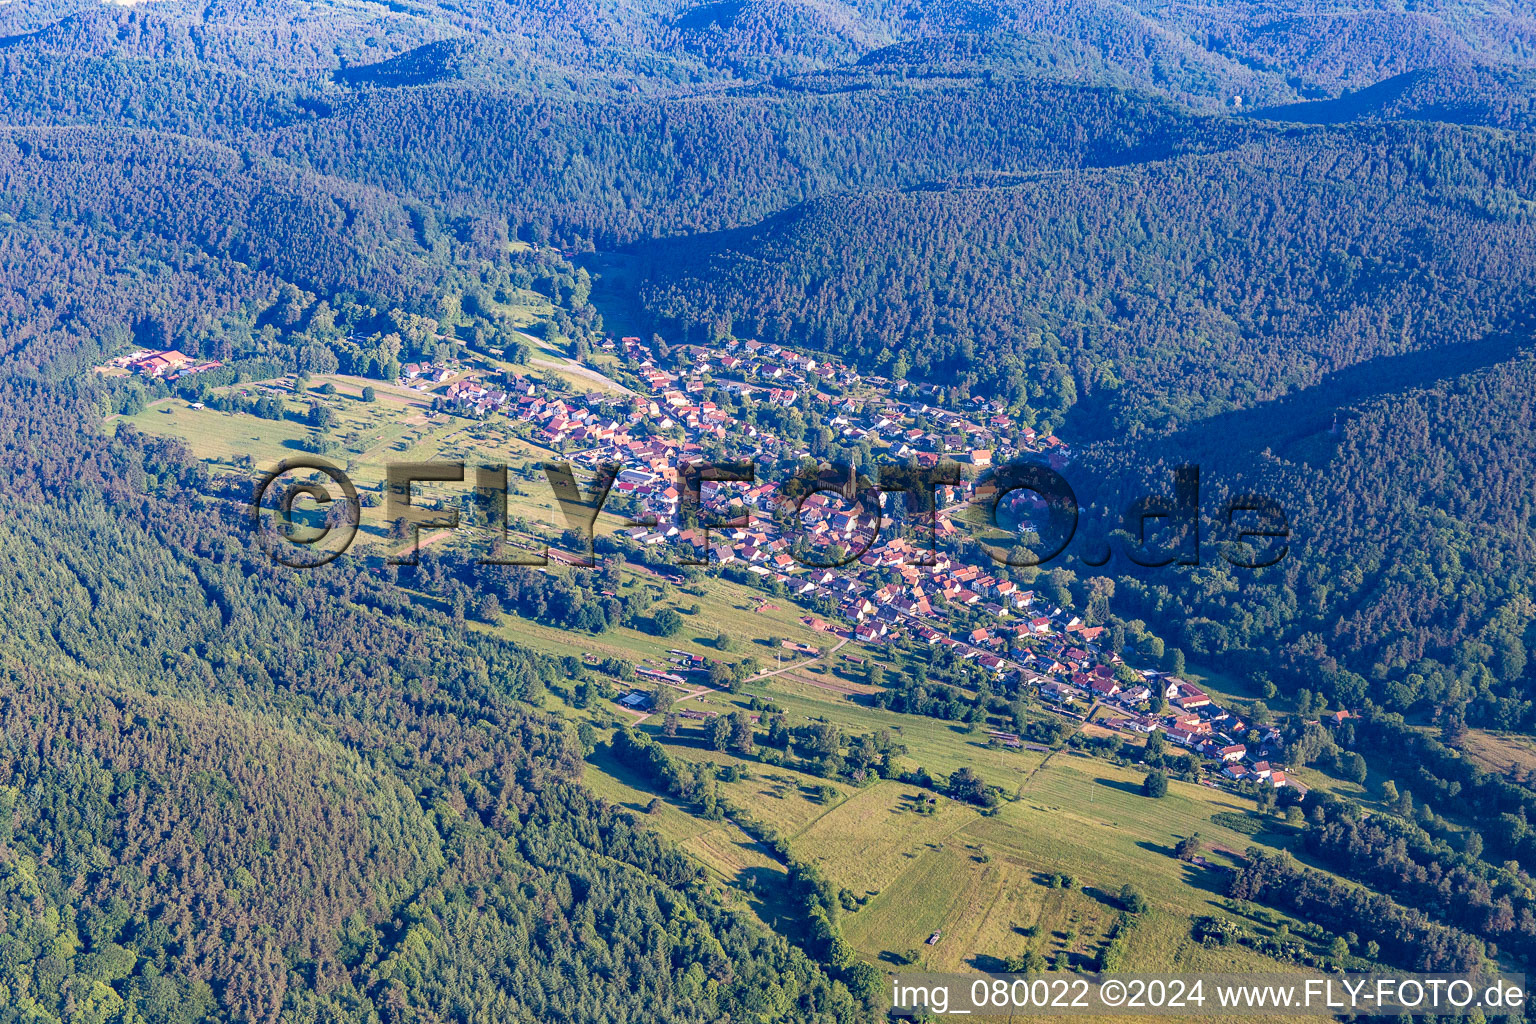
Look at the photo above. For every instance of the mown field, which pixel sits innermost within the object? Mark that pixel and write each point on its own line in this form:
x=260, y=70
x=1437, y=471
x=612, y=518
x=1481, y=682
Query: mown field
x=397, y=427
x=744, y=614
x=982, y=883
x=920, y=864
x=1500, y=751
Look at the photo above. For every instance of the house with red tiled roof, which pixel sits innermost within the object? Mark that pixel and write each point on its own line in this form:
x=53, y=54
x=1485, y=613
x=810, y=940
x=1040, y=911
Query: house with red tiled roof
x=1104, y=687
x=157, y=364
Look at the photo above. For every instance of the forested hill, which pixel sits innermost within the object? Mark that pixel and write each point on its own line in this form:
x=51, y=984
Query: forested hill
x=1471, y=94
x=306, y=229
x=1141, y=296
x=1331, y=316
x=1267, y=52
x=610, y=173
x=1407, y=487
x=236, y=793
x=229, y=793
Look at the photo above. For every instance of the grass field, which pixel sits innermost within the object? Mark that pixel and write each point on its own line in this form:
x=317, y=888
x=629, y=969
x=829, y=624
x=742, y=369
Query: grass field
x=939, y=746
x=744, y=870
x=722, y=606
x=219, y=437
x=1497, y=752
x=782, y=797
x=523, y=308
x=882, y=822
x=979, y=881
x=976, y=879
x=1075, y=815
x=397, y=427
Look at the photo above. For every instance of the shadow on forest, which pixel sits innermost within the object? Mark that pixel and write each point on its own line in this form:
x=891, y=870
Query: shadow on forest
x=1286, y=420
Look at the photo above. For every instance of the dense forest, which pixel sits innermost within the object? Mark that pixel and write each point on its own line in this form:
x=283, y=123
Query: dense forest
x=1152, y=295
x=1408, y=579
x=235, y=793
x=336, y=806
x=230, y=792
x=608, y=173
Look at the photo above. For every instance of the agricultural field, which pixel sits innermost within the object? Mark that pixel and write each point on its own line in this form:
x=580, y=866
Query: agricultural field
x=708, y=607
x=1499, y=752
x=940, y=746
x=398, y=426
x=885, y=823
x=922, y=864
x=918, y=864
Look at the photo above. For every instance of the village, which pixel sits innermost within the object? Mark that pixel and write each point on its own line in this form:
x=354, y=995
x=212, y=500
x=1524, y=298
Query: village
x=886, y=586
x=884, y=582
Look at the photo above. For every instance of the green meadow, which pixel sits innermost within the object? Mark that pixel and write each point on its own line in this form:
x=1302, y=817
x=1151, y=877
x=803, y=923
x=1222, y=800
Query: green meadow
x=981, y=882
x=750, y=618
x=397, y=427
x=919, y=864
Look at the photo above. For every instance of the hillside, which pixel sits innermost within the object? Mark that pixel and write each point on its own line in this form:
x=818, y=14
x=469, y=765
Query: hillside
x=1288, y=241
x=612, y=173
x=1437, y=627
x=1139, y=297
x=1183, y=304
x=1467, y=94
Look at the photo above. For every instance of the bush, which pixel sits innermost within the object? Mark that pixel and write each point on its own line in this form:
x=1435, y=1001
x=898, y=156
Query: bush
x=667, y=622
x=1029, y=962
x=1155, y=785
x=1247, y=824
